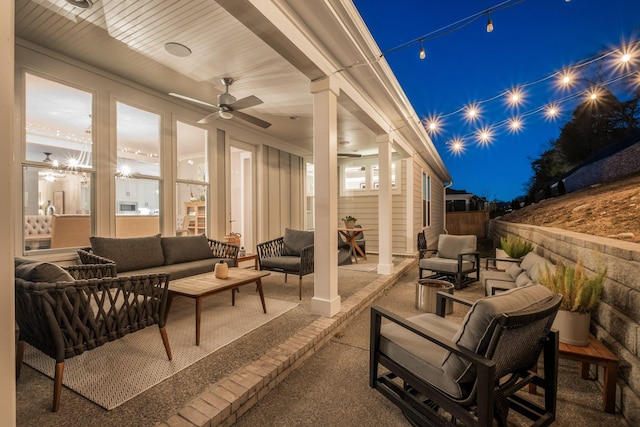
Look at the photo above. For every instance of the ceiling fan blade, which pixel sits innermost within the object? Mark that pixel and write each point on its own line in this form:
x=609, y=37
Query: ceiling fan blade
x=188, y=98
x=349, y=155
x=209, y=119
x=253, y=120
x=249, y=101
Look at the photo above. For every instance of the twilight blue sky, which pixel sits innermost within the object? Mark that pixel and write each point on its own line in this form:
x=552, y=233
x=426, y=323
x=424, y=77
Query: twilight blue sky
x=531, y=40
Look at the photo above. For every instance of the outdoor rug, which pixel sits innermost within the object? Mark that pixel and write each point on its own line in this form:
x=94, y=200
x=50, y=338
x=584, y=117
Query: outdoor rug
x=117, y=371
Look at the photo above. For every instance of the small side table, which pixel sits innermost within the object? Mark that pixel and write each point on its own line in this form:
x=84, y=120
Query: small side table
x=597, y=354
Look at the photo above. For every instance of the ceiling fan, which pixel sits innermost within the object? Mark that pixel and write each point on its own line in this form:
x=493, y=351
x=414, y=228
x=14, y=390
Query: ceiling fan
x=349, y=155
x=228, y=106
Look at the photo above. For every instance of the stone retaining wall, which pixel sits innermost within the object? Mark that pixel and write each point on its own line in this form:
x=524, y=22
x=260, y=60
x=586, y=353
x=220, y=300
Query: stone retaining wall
x=616, y=322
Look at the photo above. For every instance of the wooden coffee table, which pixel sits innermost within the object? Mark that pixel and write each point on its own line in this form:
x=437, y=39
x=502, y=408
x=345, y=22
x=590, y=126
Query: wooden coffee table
x=202, y=285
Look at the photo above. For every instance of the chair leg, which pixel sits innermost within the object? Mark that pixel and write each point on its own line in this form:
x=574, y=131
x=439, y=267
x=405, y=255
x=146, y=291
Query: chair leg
x=300, y=286
x=57, y=386
x=285, y=277
x=165, y=341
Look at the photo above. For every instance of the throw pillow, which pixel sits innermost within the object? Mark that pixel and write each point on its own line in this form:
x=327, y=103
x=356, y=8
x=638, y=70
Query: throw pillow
x=514, y=270
x=523, y=280
x=295, y=240
x=42, y=272
x=131, y=253
x=185, y=249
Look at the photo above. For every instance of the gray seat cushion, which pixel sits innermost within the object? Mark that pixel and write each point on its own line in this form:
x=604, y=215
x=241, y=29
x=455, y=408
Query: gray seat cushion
x=421, y=356
x=129, y=254
x=296, y=240
x=437, y=263
x=184, y=269
x=284, y=263
x=185, y=249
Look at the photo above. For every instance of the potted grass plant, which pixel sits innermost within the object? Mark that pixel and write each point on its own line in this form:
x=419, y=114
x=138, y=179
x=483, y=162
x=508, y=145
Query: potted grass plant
x=512, y=247
x=581, y=295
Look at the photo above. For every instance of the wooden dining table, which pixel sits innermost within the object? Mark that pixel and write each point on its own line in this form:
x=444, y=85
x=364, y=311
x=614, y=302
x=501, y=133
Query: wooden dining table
x=350, y=235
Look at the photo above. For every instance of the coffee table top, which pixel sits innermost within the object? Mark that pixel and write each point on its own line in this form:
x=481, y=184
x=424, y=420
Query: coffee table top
x=207, y=283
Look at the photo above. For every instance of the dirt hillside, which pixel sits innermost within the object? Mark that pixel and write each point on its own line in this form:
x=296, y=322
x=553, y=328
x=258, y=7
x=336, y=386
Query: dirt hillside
x=607, y=210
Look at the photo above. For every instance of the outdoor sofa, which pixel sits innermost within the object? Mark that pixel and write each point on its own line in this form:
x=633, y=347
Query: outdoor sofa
x=178, y=256
x=519, y=273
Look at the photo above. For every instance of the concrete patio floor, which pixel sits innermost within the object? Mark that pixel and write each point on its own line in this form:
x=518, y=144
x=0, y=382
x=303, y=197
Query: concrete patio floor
x=301, y=370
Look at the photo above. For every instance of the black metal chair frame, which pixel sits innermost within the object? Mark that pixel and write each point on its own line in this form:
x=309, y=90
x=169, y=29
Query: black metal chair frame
x=275, y=248
x=493, y=392
x=58, y=318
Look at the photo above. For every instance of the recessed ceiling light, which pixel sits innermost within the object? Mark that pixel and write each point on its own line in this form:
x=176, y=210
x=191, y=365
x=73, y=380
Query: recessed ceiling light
x=177, y=49
x=84, y=4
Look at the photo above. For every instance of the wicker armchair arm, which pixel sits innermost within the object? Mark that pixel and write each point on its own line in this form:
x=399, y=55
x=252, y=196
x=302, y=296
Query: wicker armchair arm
x=271, y=248
x=224, y=250
x=91, y=271
x=88, y=257
x=306, y=260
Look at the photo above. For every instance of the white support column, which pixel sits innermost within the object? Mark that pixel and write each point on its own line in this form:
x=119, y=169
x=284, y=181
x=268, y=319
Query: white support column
x=8, y=220
x=385, y=261
x=325, y=301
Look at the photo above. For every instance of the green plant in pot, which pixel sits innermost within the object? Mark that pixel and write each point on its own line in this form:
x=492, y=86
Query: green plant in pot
x=349, y=221
x=515, y=247
x=581, y=295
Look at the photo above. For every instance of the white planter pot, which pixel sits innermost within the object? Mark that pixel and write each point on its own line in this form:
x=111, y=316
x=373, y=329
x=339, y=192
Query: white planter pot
x=573, y=327
x=500, y=254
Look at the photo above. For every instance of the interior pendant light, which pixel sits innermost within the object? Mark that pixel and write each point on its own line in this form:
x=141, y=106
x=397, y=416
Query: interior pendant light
x=423, y=53
x=489, y=24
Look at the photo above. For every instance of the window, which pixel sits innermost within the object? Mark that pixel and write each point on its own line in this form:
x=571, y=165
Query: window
x=57, y=177
x=310, y=197
x=191, y=185
x=363, y=178
x=138, y=133
x=426, y=200
x=137, y=192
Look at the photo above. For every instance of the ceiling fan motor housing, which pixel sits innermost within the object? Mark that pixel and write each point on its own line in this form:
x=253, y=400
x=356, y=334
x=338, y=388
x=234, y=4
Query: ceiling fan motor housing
x=226, y=99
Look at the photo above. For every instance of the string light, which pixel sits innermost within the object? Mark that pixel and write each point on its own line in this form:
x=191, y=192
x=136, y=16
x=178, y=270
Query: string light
x=514, y=97
x=552, y=111
x=456, y=146
x=489, y=23
x=515, y=124
x=484, y=136
x=423, y=53
x=472, y=112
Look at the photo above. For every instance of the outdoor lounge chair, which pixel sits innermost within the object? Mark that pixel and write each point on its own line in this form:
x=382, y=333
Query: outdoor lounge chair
x=455, y=258
x=290, y=254
x=65, y=312
x=470, y=371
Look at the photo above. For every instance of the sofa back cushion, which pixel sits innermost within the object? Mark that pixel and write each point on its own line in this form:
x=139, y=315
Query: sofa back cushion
x=295, y=240
x=132, y=253
x=478, y=325
x=450, y=246
x=185, y=249
x=38, y=271
x=535, y=265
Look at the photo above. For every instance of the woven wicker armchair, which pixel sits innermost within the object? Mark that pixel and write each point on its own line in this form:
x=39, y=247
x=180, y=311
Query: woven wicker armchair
x=470, y=371
x=66, y=318
x=291, y=254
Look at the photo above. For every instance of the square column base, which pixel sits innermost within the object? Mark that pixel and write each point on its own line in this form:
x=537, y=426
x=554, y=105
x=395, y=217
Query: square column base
x=385, y=268
x=324, y=307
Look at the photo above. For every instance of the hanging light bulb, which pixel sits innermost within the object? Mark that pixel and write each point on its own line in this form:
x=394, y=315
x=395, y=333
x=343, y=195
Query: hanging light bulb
x=423, y=53
x=489, y=24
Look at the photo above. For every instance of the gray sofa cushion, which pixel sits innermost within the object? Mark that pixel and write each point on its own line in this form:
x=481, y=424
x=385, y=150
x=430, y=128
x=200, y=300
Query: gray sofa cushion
x=523, y=279
x=177, y=271
x=38, y=271
x=131, y=253
x=514, y=270
x=477, y=327
x=185, y=249
x=535, y=265
x=296, y=240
